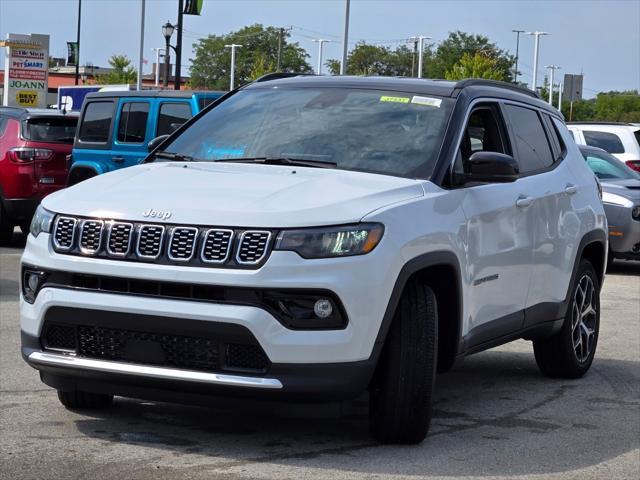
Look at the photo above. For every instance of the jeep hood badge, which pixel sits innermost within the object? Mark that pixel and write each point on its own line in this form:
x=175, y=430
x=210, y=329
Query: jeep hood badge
x=159, y=214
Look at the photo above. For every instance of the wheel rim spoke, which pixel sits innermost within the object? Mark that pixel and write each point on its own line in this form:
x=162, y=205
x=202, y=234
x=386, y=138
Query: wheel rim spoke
x=584, y=316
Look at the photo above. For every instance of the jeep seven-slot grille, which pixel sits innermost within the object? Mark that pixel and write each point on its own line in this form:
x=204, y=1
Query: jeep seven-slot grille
x=91, y=236
x=203, y=353
x=196, y=246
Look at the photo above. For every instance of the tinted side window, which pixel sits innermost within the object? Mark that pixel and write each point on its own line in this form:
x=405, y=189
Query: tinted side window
x=559, y=148
x=96, y=122
x=530, y=140
x=132, y=127
x=604, y=140
x=172, y=114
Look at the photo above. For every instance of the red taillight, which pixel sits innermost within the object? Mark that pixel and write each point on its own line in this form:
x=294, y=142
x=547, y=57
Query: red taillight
x=27, y=154
x=633, y=165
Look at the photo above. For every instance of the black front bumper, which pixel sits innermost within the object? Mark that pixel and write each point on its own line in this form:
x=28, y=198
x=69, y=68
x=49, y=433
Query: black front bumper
x=315, y=383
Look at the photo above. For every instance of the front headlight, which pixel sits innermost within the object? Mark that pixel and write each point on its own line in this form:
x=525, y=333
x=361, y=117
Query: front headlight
x=614, y=199
x=329, y=242
x=41, y=221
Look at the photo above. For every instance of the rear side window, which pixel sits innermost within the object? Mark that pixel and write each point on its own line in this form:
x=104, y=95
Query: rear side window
x=96, y=122
x=558, y=146
x=50, y=130
x=132, y=127
x=604, y=140
x=530, y=140
x=172, y=115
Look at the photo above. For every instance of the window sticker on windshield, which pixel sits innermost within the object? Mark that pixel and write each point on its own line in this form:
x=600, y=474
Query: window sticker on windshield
x=386, y=98
x=428, y=101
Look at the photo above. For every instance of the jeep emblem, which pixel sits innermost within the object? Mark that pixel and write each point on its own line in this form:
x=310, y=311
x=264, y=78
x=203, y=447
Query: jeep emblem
x=159, y=214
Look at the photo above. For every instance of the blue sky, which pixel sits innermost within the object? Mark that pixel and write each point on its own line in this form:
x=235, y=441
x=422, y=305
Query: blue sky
x=600, y=38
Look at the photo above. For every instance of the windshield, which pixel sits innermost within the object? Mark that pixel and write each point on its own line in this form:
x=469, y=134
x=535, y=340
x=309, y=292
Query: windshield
x=57, y=130
x=608, y=167
x=353, y=129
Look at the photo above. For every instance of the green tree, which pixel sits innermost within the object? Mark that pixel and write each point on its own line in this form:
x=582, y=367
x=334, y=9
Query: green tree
x=606, y=107
x=366, y=59
x=123, y=71
x=258, y=54
x=477, y=65
x=450, y=51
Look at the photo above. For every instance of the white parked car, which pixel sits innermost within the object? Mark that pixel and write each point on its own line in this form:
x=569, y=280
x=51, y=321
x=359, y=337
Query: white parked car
x=622, y=140
x=311, y=239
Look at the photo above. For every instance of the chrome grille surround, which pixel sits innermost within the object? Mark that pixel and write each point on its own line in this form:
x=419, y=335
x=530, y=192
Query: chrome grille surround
x=151, y=241
x=216, y=245
x=91, y=236
x=253, y=246
x=182, y=243
x=64, y=228
x=119, y=236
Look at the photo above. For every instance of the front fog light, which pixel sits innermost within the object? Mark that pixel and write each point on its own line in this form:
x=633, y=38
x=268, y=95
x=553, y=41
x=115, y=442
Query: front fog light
x=32, y=281
x=323, y=308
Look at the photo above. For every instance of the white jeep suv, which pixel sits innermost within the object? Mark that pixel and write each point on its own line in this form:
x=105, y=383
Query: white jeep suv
x=309, y=239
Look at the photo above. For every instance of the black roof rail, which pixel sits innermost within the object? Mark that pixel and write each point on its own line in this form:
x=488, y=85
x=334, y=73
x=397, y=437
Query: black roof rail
x=594, y=122
x=482, y=82
x=276, y=75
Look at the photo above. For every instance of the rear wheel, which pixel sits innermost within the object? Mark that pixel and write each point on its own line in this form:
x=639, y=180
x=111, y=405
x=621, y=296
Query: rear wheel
x=569, y=353
x=77, y=399
x=6, y=227
x=401, y=391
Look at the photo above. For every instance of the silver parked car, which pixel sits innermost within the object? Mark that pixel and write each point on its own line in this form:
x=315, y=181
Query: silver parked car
x=621, y=199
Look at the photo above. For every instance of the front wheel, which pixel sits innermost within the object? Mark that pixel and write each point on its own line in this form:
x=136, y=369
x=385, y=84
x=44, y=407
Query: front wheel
x=401, y=391
x=569, y=353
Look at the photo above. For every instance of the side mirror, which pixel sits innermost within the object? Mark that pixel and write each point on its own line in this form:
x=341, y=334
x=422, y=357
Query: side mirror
x=155, y=142
x=491, y=167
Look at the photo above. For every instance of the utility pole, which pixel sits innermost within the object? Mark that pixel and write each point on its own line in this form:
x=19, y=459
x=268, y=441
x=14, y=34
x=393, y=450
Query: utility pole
x=345, y=39
x=78, y=42
x=415, y=54
x=179, y=45
x=552, y=69
x=280, y=40
x=320, y=41
x=420, y=40
x=560, y=87
x=141, y=59
x=233, y=47
x=536, y=48
x=515, y=72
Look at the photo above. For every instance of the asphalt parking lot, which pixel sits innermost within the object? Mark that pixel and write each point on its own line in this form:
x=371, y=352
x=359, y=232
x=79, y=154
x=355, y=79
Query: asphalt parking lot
x=495, y=416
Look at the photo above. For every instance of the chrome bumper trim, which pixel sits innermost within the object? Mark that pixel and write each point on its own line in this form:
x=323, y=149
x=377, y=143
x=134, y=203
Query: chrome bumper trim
x=56, y=360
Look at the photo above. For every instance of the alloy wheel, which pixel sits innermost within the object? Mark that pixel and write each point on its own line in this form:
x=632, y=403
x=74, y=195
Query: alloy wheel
x=584, y=318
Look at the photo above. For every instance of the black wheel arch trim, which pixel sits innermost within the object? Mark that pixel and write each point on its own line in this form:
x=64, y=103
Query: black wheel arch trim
x=439, y=258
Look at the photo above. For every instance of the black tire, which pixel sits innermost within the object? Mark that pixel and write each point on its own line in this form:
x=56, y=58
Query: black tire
x=402, y=387
x=610, y=259
x=77, y=399
x=6, y=227
x=560, y=356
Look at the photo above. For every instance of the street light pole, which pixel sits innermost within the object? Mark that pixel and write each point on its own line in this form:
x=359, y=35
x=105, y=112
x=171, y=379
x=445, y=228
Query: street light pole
x=78, y=42
x=560, y=87
x=420, y=39
x=157, y=69
x=345, y=39
x=321, y=42
x=515, y=72
x=178, y=48
x=141, y=59
x=536, y=48
x=167, y=31
x=552, y=69
x=233, y=47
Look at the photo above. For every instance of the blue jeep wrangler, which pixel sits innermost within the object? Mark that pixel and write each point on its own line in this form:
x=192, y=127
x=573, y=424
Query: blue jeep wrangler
x=115, y=128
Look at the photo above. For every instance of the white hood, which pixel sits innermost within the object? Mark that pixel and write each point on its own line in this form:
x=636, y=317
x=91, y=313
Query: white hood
x=234, y=194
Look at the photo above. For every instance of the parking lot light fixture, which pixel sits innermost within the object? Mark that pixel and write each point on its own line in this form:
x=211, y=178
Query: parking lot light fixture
x=534, y=82
x=167, y=32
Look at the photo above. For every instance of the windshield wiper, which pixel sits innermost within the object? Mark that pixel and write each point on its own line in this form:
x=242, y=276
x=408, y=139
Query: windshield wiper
x=176, y=157
x=281, y=161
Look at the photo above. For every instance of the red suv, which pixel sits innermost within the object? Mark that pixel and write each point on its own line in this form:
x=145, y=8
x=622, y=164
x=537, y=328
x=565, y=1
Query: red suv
x=34, y=145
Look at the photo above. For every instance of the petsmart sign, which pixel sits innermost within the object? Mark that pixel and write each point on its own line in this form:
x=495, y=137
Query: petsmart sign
x=26, y=70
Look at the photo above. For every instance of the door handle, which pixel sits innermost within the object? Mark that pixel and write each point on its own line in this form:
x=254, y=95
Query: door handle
x=570, y=189
x=118, y=159
x=524, y=201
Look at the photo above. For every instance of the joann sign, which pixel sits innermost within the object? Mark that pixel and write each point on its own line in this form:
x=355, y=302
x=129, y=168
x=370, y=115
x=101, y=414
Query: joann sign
x=26, y=70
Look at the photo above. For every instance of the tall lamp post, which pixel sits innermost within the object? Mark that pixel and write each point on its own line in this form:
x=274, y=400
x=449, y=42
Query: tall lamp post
x=321, y=42
x=232, y=81
x=534, y=82
x=552, y=69
x=515, y=72
x=167, y=32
